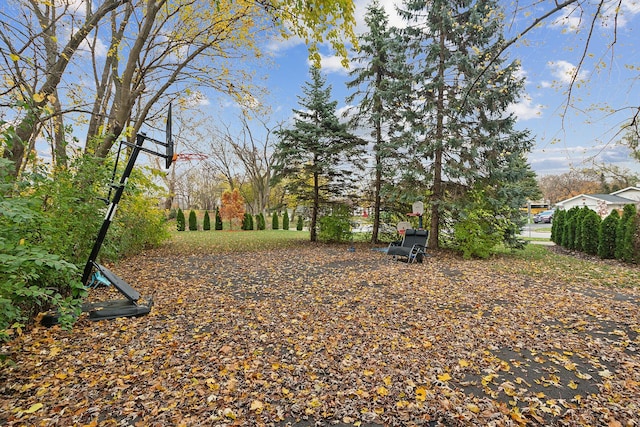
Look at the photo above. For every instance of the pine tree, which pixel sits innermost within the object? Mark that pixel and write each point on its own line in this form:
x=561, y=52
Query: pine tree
x=607, y=235
x=206, y=222
x=300, y=223
x=624, y=234
x=218, y=219
x=382, y=83
x=313, y=153
x=180, y=220
x=193, y=221
x=285, y=220
x=275, y=225
x=464, y=136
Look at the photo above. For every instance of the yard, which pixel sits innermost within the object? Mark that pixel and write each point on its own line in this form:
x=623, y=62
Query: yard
x=278, y=331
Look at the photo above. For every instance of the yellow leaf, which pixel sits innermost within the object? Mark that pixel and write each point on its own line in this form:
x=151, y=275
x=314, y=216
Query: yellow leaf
x=463, y=363
x=14, y=57
x=387, y=380
x=473, y=408
x=444, y=377
x=382, y=391
x=421, y=394
x=38, y=97
x=257, y=406
x=368, y=372
x=61, y=375
x=572, y=385
x=21, y=242
x=35, y=407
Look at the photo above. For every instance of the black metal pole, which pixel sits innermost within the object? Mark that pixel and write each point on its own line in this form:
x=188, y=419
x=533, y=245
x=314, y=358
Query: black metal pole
x=111, y=210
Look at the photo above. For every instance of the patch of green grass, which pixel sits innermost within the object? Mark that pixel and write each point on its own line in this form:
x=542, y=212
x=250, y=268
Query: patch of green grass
x=539, y=261
x=217, y=241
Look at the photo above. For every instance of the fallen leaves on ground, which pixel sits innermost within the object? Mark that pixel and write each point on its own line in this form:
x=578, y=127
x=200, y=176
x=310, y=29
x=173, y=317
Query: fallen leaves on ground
x=319, y=335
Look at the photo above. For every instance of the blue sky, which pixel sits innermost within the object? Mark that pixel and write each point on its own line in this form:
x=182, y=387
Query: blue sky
x=564, y=138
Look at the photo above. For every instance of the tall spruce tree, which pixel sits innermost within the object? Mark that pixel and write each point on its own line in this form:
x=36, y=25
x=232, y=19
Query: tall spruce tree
x=314, y=154
x=381, y=83
x=464, y=136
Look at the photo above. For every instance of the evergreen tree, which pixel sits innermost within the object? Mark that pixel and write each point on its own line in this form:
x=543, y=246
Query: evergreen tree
x=312, y=154
x=206, y=222
x=624, y=234
x=180, y=220
x=285, y=220
x=275, y=225
x=193, y=221
x=607, y=235
x=381, y=83
x=247, y=221
x=263, y=222
x=589, y=232
x=459, y=120
x=557, y=226
x=579, y=217
x=218, y=219
x=300, y=223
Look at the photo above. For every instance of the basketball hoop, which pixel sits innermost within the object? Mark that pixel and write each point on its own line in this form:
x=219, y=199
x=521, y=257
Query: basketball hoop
x=190, y=156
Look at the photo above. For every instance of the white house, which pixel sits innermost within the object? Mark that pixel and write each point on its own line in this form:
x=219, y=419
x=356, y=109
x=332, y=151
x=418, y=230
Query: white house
x=632, y=193
x=603, y=204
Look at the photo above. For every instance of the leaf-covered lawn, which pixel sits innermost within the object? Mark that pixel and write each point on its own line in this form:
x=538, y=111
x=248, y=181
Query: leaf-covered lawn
x=318, y=335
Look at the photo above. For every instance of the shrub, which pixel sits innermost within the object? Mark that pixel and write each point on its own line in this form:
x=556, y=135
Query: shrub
x=32, y=278
x=247, y=221
x=335, y=227
x=590, y=225
x=275, y=225
x=607, y=235
x=206, y=221
x=624, y=234
x=172, y=213
x=180, y=220
x=285, y=220
x=478, y=231
x=579, y=217
x=218, y=219
x=260, y=222
x=300, y=223
x=193, y=221
x=557, y=226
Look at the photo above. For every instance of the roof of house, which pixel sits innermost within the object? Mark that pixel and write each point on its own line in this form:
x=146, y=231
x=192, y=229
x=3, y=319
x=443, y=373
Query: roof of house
x=607, y=198
x=625, y=190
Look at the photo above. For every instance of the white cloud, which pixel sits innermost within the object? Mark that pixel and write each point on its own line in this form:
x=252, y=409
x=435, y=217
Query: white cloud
x=331, y=64
x=565, y=71
x=524, y=109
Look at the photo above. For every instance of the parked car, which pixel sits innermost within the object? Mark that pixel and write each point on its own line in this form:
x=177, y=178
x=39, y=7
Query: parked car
x=545, y=216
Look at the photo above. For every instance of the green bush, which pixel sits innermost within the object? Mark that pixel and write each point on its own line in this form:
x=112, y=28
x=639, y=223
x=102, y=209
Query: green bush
x=559, y=218
x=625, y=234
x=32, y=278
x=193, y=221
x=300, y=223
x=260, y=222
x=607, y=235
x=589, y=227
x=206, y=221
x=577, y=244
x=275, y=224
x=218, y=219
x=247, y=221
x=337, y=226
x=478, y=231
x=180, y=220
x=285, y=220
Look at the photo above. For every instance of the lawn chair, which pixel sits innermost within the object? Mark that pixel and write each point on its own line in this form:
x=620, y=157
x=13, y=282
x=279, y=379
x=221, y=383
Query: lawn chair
x=412, y=247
